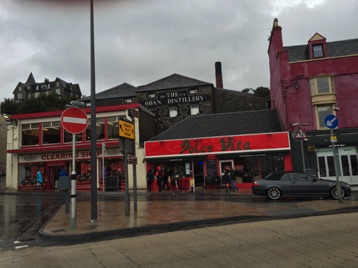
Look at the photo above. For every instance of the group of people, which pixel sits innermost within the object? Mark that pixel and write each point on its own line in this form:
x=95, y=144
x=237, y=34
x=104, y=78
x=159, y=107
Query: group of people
x=162, y=176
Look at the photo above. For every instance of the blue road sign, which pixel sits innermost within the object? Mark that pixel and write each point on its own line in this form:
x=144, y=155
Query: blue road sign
x=331, y=121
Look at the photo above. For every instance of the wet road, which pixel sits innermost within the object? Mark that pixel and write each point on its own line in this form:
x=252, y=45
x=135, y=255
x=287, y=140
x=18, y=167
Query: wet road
x=23, y=215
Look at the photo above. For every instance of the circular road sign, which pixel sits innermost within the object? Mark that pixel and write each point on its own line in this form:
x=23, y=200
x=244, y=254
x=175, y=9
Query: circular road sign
x=74, y=120
x=331, y=121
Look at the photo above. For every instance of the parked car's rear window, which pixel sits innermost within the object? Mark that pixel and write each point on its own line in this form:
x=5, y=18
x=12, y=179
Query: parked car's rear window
x=274, y=176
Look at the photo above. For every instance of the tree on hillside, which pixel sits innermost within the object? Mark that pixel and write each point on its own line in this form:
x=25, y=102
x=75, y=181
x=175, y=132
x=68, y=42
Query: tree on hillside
x=43, y=103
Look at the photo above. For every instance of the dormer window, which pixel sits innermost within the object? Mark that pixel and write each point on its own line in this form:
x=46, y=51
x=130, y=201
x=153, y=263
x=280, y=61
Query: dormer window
x=317, y=51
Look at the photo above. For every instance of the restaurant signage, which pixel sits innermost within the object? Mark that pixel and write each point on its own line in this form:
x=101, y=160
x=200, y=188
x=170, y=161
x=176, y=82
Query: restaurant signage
x=218, y=145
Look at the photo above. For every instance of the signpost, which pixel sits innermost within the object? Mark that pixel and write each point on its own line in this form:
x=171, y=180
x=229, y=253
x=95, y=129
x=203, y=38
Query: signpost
x=331, y=121
x=300, y=134
x=75, y=121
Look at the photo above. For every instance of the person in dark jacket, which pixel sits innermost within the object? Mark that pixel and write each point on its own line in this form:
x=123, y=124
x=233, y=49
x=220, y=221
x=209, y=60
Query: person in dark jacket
x=150, y=179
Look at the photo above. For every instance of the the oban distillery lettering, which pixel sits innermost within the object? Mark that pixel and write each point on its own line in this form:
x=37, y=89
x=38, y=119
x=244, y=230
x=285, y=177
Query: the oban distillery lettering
x=227, y=144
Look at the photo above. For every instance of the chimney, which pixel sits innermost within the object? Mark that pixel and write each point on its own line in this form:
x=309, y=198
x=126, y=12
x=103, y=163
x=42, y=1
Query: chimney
x=218, y=75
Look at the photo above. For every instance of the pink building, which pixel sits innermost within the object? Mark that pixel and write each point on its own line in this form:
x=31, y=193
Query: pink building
x=309, y=82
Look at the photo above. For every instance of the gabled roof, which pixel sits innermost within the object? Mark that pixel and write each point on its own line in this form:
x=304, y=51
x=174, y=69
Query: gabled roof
x=211, y=125
x=123, y=90
x=334, y=49
x=171, y=82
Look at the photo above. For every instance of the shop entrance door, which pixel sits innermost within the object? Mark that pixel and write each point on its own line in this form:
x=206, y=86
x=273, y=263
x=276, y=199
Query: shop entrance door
x=53, y=175
x=347, y=160
x=198, y=173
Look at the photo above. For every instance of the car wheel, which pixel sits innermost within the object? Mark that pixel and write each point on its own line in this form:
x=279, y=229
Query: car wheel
x=274, y=193
x=333, y=193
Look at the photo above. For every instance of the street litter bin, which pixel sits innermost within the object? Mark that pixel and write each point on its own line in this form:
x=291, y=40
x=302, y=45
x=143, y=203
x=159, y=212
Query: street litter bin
x=111, y=184
x=64, y=183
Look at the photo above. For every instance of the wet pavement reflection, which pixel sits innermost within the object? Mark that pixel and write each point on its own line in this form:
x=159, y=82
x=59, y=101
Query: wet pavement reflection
x=24, y=214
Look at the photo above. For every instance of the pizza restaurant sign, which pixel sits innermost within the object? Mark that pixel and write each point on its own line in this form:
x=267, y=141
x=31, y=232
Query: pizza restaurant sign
x=218, y=145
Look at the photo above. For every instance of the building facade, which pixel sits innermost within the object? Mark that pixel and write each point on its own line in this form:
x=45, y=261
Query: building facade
x=200, y=147
x=307, y=83
x=39, y=142
x=32, y=89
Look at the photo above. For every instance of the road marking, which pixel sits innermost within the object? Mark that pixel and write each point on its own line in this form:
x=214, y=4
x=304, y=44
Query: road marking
x=21, y=246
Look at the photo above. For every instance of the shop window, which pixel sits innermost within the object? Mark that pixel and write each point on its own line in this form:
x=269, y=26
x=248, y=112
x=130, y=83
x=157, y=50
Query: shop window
x=68, y=137
x=225, y=163
x=322, y=112
x=51, y=132
x=99, y=130
x=30, y=134
x=112, y=127
x=321, y=85
x=173, y=111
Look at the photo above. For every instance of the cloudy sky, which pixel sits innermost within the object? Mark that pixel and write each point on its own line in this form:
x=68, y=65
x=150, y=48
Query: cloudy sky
x=141, y=41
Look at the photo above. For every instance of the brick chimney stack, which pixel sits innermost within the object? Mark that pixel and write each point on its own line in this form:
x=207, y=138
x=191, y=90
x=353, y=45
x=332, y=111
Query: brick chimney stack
x=218, y=75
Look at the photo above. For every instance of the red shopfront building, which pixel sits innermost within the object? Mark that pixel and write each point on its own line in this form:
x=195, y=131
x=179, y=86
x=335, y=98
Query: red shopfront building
x=204, y=158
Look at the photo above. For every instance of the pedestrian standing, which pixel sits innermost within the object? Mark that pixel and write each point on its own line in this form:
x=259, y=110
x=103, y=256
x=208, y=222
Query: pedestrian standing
x=232, y=177
x=150, y=179
x=39, y=180
x=166, y=179
x=160, y=177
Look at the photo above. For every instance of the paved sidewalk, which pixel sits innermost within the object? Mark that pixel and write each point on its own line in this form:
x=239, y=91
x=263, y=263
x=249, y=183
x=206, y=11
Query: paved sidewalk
x=168, y=211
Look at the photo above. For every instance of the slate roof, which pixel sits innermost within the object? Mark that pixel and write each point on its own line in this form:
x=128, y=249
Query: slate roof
x=334, y=49
x=171, y=82
x=211, y=125
x=123, y=90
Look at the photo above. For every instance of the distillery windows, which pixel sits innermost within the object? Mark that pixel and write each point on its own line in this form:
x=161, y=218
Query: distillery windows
x=194, y=109
x=128, y=100
x=152, y=96
x=173, y=111
x=193, y=91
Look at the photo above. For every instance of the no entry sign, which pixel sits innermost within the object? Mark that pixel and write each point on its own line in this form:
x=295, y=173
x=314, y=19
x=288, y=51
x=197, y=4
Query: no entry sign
x=74, y=120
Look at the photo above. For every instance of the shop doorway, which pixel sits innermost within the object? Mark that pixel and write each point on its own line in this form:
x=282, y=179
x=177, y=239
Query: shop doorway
x=53, y=175
x=348, y=163
x=198, y=173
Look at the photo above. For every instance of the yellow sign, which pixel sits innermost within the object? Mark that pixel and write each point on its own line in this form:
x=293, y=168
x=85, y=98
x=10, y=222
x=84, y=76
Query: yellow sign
x=126, y=129
x=333, y=138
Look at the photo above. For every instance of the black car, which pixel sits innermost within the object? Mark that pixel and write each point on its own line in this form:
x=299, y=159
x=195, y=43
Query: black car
x=295, y=184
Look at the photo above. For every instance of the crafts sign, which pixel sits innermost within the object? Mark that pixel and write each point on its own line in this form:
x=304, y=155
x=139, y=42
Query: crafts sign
x=74, y=120
x=218, y=145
